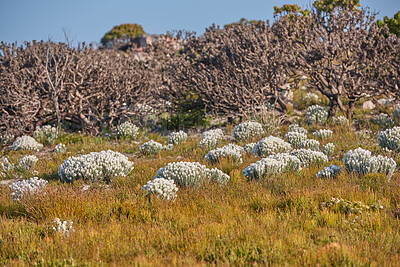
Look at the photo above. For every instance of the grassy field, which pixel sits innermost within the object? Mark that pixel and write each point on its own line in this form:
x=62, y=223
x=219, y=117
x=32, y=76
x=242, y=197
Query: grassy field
x=275, y=221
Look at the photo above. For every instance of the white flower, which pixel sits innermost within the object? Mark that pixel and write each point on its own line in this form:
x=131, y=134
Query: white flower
x=316, y=114
x=323, y=134
x=309, y=157
x=295, y=138
x=190, y=174
x=127, y=130
x=230, y=150
x=163, y=188
x=60, y=149
x=6, y=139
x=64, y=227
x=26, y=143
x=310, y=144
x=177, y=137
x=396, y=114
x=297, y=128
x=390, y=139
x=247, y=130
x=384, y=120
x=46, y=134
x=27, y=163
x=330, y=172
x=211, y=138
x=22, y=188
x=341, y=120
x=249, y=147
x=150, y=147
x=328, y=149
x=311, y=97
x=95, y=166
x=271, y=145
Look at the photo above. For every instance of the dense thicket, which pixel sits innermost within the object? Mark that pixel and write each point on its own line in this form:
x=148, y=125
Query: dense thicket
x=233, y=71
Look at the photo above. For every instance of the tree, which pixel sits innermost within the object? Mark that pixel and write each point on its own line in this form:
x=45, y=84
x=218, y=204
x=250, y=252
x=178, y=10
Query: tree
x=242, y=21
x=392, y=23
x=121, y=35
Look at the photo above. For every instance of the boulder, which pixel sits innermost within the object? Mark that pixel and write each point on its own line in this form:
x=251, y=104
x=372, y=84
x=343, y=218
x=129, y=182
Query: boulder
x=368, y=105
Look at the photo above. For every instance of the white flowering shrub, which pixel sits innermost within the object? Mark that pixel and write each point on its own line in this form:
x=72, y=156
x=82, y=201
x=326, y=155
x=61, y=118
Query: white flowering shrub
x=168, y=147
x=349, y=207
x=396, y=114
x=190, y=174
x=95, y=166
x=316, y=114
x=249, y=147
x=64, y=227
x=341, y=120
x=46, y=134
x=363, y=133
x=127, y=130
x=6, y=139
x=271, y=145
x=26, y=187
x=26, y=143
x=162, y=188
x=390, y=139
x=247, y=130
x=309, y=157
x=211, y=138
x=297, y=128
x=150, y=147
x=330, y=172
x=229, y=151
x=60, y=149
x=383, y=120
x=361, y=162
x=6, y=166
x=328, y=149
x=295, y=138
x=310, y=144
x=323, y=134
x=272, y=165
x=311, y=97
x=177, y=137
x=27, y=163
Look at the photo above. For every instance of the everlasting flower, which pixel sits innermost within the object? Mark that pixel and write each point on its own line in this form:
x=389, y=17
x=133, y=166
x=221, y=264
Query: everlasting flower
x=127, y=130
x=211, y=138
x=328, y=149
x=60, y=149
x=27, y=163
x=249, y=147
x=341, y=120
x=6, y=139
x=25, y=187
x=150, y=147
x=46, y=134
x=311, y=97
x=330, y=172
x=295, y=138
x=390, y=139
x=64, y=227
x=271, y=145
x=323, y=134
x=384, y=120
x=309, y=157
x=95, y=166
x=247, y=130
x=163, y=188
x=177, y=137
x=231, y=150
x=316, y=114
x=26, y=143
x=297, y=128
x=310, y=144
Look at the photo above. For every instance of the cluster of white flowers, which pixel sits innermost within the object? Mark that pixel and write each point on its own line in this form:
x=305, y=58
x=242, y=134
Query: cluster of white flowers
x=32, y=186
x=310, y=144
x=60, y=149
x=211, y=138
x=144, y=109
x=64, y=227
x=163, y=188
x=46, y=134
x=95, y=166
x=247, y=130
x=27, y=163
x=295, y=138
x=363, y=133
x=390, y=139
x=168, y=147
x=316, y=114
x=150, y=147
x=229, y=151
x=362, y=162
x=190, y=174
x=127, y=130
x=396, y=114
x=6, y=139
x=271, y=145
x=341, y=120
x=249, y=147
x=309, y=157
x=384, y=120
x=177, y=137
x=328, y=149
x=311, y=97
x=323, y=134
x=332, y=171
x=297, y=128
x=350, y=207
x=26, y=143
x=6, y=166
x=272, y=165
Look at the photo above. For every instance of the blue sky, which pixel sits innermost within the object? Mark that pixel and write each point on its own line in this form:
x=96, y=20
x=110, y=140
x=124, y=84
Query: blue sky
x=89, y=20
